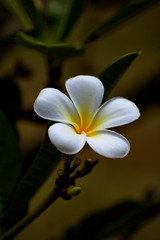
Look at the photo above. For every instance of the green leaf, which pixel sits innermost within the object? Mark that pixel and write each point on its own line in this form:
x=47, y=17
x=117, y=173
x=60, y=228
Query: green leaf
x=73, y=11
x=128, y=11
x=16, y=9
x=10, y=162
x=115, y=221
x=55, y=50
x=33, y=13
x=44, y=163
x=112, y=74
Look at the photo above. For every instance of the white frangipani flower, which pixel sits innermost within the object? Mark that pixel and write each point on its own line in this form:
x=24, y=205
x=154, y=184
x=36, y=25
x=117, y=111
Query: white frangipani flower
x=80, y=118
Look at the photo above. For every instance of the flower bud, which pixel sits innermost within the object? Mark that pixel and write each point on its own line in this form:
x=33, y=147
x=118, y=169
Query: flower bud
x=73, y=191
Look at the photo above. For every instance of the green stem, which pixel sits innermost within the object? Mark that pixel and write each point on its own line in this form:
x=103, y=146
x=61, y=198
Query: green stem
x=16, y=8
x=31, y=217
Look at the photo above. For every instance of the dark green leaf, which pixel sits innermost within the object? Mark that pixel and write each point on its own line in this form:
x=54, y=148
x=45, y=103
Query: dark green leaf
x=73, y=10
x=55, y=50
x=16, y=9
x=120, y=220
x=109, y=222
x=46, y=160
x=53, y=11
x=112, y=74
x=10, y=162
x=128, y=11
x=33, y=13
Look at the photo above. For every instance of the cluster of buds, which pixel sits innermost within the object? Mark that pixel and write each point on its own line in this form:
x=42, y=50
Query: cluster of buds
x=74, y=168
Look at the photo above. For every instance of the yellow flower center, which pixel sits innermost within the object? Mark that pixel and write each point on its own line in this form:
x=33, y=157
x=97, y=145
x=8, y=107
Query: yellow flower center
x=85, y=128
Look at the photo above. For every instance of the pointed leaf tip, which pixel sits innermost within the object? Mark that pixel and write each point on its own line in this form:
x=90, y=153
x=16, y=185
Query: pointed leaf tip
x=112, y=74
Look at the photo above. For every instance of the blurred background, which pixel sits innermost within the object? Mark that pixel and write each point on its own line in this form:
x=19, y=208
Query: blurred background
x=111, y=181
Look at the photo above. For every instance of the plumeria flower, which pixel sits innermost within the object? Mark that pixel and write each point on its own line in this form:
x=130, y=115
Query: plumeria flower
x=80, y=118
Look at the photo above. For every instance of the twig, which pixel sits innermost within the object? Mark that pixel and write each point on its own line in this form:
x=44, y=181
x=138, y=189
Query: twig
x=31, y=217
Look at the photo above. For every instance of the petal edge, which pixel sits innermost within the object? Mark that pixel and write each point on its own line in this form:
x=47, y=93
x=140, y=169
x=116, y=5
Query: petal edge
x=108, y=143
x=51, y=104
x=65, y=138
x=86, y=93
x=115, y=112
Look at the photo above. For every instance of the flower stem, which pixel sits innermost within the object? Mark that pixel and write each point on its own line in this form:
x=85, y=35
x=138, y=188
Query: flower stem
x=52, y=197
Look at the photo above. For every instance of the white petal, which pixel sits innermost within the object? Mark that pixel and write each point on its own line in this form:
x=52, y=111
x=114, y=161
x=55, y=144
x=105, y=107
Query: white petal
x=86, y=93
x=109, y=144
x=53, y=105
x=115, y=112
x=65, y=138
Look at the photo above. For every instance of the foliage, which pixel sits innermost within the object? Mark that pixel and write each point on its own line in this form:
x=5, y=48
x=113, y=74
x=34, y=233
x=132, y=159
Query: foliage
x=46, y=29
